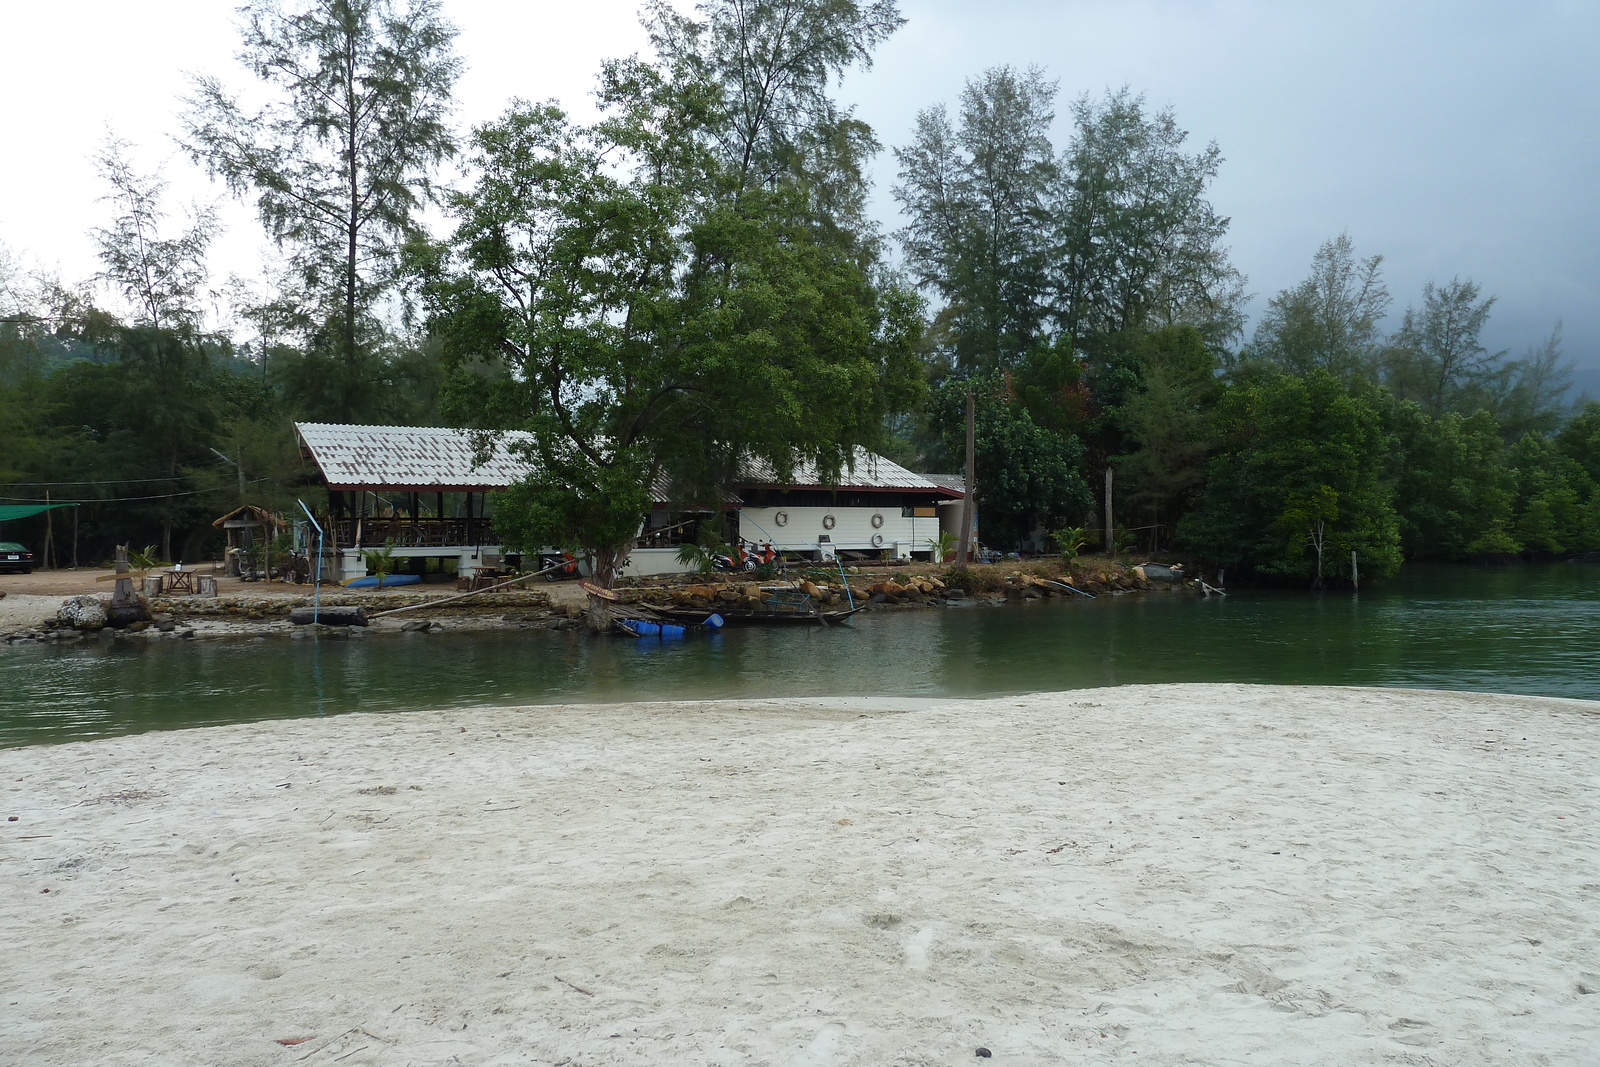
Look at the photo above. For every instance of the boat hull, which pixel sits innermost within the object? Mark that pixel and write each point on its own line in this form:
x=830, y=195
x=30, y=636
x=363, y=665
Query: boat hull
x=691, y=617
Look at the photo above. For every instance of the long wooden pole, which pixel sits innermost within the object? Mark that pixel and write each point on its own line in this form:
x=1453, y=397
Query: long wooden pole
x=1110, y=528
x=964, y=542
x=475, y=592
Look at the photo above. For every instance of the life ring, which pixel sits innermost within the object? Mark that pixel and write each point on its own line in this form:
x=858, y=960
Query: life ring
x=877, y=521
x=877, y=540
x=828, y=522
x=781, y=518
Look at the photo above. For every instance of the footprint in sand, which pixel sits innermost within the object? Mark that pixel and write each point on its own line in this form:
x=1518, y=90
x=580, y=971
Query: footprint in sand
x=824, y=1048
x=916, y=949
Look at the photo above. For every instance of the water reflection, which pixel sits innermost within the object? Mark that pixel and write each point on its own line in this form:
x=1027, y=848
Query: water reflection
x=1522, y=629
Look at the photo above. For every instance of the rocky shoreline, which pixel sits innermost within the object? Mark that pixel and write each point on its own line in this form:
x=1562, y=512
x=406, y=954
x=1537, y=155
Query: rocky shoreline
x=252, y=615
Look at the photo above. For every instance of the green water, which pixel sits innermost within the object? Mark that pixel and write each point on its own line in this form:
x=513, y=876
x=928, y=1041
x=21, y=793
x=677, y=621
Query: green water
x=1527, y=629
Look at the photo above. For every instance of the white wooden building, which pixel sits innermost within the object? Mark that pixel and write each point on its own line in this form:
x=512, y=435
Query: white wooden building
x=421, y=493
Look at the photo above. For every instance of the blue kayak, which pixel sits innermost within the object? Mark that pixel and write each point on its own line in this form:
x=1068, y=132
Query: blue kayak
x=371, y=581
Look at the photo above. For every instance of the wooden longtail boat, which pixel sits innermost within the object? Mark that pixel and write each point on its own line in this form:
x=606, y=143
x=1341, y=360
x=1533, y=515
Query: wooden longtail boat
x=737, y=617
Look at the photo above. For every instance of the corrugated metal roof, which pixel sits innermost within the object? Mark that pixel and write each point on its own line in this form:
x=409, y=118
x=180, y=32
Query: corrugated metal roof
x=871, y=471
x=412, y=458
x=955, y=483
x=441, y=459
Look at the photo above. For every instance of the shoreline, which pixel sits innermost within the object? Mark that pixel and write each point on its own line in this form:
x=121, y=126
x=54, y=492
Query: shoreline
x=1168, y=873
x=262, y=610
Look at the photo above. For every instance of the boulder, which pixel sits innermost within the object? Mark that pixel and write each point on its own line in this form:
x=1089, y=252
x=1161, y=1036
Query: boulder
x=83, y=613
x=810, y=589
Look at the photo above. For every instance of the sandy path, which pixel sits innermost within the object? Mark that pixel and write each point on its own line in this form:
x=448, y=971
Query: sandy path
x=1151, y=875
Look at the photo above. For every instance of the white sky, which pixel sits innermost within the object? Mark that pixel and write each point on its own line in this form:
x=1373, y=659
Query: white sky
x=1455, y=137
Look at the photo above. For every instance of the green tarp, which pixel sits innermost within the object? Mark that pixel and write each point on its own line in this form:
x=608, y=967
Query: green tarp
x=26, y=511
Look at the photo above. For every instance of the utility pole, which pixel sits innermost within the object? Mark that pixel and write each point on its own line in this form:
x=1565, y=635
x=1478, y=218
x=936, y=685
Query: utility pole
x=1110, y=527
x=964, y=542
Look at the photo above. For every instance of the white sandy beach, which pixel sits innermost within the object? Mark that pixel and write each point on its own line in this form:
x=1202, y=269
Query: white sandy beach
x=1193, y=874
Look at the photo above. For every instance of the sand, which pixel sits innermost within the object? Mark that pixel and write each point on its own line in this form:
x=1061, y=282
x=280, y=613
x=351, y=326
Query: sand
x=23, y=611
x=1145, y=875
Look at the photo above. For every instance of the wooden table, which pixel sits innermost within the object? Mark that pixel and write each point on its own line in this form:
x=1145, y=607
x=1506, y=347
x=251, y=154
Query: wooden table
x=179, y=580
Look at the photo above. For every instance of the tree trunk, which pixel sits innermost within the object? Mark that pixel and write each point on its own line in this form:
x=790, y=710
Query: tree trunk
x=969, y=501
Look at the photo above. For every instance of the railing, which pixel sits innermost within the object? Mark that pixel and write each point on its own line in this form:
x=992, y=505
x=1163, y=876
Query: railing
x=408, y=533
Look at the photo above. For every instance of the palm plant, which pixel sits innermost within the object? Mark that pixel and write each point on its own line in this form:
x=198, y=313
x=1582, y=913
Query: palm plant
x=380, y=561
x=1070, y=540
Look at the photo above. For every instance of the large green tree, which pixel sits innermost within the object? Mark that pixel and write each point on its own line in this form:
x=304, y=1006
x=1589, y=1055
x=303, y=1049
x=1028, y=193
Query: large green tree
x=1438, y=358
x=340, y=159
x=1028, y=477
x=1298, y=483
x=1330, y=320
x=771, y=65
x=164, y=366
x=1138, y=244
x=976, y=196
x=1453, y=490
x=655, y=317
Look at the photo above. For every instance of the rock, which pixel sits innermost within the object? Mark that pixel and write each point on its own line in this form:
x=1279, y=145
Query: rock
x=809, y=588
x=83, y=613
x=164, y=623
x=414, y=625
x=955, y=594
x=138, y=625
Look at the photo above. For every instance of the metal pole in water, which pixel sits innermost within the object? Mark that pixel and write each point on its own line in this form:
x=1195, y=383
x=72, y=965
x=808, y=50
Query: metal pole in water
x=316, y=582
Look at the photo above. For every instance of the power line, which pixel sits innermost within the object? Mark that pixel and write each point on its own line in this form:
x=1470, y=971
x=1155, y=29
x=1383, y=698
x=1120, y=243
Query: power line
x=97, y=481
x=125, y=499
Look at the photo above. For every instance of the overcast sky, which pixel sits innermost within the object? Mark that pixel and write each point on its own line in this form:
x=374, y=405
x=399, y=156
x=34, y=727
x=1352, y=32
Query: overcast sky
x=1454, y=138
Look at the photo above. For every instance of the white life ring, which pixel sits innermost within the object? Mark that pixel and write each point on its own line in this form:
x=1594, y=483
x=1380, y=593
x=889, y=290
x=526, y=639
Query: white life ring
x=877, y=540
x=877, y=522
x=781, y=518
x=829, y=522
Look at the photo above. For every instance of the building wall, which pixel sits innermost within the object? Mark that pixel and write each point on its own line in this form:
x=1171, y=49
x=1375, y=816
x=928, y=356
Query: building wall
x=853, y=529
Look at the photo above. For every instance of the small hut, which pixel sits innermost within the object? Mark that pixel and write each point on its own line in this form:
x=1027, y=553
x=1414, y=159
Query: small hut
x=250, y=531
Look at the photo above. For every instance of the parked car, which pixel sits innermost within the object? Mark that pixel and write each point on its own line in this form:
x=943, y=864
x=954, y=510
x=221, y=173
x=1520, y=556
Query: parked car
x=15, y=557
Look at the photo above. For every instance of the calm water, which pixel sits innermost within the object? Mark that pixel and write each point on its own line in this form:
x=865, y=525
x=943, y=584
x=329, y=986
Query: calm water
x=1528, y=629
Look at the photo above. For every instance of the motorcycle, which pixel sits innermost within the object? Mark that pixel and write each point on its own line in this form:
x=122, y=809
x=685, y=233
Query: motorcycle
x=566, y=561
x=737, y=560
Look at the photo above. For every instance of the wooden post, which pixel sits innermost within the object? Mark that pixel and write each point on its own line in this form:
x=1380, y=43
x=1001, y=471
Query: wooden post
x=1355, y=575
x=49, y=531
x=1110, y=526
x=964, y=542
x=75, y=538
x=122, y=591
